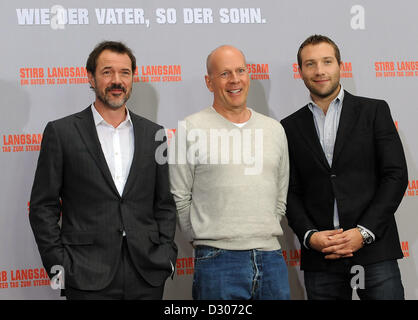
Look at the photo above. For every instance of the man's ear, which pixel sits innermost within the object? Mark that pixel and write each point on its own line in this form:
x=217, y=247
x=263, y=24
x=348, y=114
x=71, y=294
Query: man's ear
x=300, y=72
x=208, y=83
x=91, y=80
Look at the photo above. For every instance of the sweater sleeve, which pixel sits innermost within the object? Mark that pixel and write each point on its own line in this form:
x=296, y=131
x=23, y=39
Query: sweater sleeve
x=283, y=176
x=181, y=179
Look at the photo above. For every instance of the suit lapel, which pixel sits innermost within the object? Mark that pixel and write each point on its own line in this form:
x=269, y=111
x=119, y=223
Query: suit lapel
x=139, y=134
x=308, y=131
x=88, y=134
x=348, y=118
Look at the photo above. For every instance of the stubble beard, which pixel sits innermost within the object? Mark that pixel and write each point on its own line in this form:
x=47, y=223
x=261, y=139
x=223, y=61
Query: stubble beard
x=322, y=94
x=115, y=104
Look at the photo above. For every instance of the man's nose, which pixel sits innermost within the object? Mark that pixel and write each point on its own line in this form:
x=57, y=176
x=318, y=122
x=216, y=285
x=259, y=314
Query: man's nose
x=319, y=68
x=116, y=78
x=234, y=77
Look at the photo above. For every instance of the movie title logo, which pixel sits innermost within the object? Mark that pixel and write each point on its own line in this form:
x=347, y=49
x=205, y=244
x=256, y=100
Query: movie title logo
x=405, y=248
x=24, y=278
x=292, y=257
x=72, y=75
x=158, y=73
x=52, y=76
x=185, y=266
x=258, y=71
x=170, y=135
x=21, y=142
x=346, y=70
x=412, y=189
x=396, y=69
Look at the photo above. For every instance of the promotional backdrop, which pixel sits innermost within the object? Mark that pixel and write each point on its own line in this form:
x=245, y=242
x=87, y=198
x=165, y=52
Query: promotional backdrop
x=43, y=77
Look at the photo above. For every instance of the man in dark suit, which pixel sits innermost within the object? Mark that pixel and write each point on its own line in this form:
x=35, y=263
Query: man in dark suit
x=99, y=168
x=348, y=176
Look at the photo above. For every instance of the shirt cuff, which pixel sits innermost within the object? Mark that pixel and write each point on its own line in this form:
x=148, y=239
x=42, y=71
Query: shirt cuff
x=306, y=235
x=172, y=270
x=368, y=231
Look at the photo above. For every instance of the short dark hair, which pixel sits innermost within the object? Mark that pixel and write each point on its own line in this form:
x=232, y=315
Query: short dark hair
x=113, y=46
x=317, y=39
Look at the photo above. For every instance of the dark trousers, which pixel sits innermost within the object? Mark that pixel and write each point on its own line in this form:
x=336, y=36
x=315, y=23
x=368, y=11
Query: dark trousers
x=382, y=281
x=126, y=285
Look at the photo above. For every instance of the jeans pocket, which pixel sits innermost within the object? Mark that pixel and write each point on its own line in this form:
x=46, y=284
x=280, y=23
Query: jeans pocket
x=279, y=252
x=205, y=253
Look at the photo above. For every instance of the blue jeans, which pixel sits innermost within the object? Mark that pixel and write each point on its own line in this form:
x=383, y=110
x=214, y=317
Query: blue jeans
x=239, y=275
x=382, y=281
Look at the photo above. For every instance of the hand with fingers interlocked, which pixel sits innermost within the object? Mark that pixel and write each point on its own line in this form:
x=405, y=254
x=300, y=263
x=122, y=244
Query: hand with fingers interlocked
x=337, y=243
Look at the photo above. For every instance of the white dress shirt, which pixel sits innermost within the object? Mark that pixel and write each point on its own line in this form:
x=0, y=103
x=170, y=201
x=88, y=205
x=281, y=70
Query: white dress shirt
x=117, y=146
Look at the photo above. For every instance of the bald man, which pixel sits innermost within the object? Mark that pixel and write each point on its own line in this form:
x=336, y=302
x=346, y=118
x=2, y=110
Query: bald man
x=231, y=188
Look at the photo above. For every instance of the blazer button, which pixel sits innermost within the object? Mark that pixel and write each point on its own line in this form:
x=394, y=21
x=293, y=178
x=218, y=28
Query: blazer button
x=333, y=176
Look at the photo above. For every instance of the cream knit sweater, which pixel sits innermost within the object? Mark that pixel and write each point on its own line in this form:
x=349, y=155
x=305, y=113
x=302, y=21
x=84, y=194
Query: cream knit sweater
x=230, y=184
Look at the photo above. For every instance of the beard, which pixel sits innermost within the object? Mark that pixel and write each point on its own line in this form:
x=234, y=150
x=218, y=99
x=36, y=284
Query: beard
x=112, y=102
x=323, y=94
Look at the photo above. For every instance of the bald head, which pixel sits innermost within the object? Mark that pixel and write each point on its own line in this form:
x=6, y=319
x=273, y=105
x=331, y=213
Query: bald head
x=219, y=51
x=227, y=79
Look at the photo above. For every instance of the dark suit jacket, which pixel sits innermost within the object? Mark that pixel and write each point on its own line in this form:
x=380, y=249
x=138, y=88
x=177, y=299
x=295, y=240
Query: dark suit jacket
x=368, y=178
x=72, y=168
